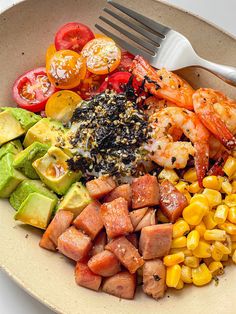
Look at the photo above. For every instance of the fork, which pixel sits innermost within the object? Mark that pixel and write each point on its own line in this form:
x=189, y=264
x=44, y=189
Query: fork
x=160, y=45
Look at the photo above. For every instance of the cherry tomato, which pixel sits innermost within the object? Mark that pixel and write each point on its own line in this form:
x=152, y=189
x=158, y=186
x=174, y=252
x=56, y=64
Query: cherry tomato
x=116, y=82
x=89, y=86
x=50, y=52
x=102, y=55
x=61, y=105
x=66, y=69
x=73, y=36
x=32, y=90
x=125, y=62
x=100, y=36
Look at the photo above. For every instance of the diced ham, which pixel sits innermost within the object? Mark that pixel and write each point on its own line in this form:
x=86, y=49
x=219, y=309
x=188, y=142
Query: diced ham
x=123, y=190
x=115, y=216
x=58, y=225
x=126, y=253
x=137, y=215
x=99, y=243
x=121, y=285
x=145, y=191
x=74, y=244
x=154, y=278
x=104, y=264
x=149, y=219
x=100, y=187
x=132, y=237
x=89, y=220
x=172, y=201
x=86, y=278
x=155, y=241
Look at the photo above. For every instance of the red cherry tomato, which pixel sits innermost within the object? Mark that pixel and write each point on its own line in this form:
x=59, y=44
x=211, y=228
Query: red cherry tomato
x=125, y=62
x=116, y=82
x=73, y=36
x=89, y=86
x=32, y=90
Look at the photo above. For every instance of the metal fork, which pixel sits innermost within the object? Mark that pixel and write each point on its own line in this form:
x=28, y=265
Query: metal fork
x=160, y=45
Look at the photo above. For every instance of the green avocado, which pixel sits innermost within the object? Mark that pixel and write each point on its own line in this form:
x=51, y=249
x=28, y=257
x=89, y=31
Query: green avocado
x=53, y=170
x=36, y=210
x=10, y=128
x=23, y=161
x=26, y=118
x=9, y=177
x=27, y=187
x=13, y=147
x=76, y=199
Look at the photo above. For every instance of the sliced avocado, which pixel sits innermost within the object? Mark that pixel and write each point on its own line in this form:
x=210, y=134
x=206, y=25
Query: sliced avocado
x=27, y=187
x=76, y=199
x=53, y=170
x=26, y=118
x=36, y=210
x=10, y=128
x=9, y=177
x=23, y=161
x=13, y=147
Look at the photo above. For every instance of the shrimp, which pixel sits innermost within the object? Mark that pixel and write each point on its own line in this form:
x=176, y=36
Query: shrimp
x=218, y=113
x=166, y=152
x=152, y=104
x=163, y=84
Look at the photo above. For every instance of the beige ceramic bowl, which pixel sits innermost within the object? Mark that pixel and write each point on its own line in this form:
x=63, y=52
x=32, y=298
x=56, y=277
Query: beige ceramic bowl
x=25, y=32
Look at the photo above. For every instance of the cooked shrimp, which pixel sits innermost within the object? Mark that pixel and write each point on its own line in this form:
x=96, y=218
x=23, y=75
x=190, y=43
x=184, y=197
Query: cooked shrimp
x=163, y=84
x=153, y=104
x=218, y=113
x=170, y=154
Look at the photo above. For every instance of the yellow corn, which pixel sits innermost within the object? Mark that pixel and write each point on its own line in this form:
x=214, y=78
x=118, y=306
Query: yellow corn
x=232, y=215
x=190, y=175
x=215, y=235
x=225, y=258
x=201, y=198
x=209, y=220
x=214, y=197
x=212, y=182
x=173, y=274
x=228, y=227
x=194, y=187
x=230, y=166
x=230, y=200
x=208, y=260
x=181, y=186
x=180, y=228
x=221, y=247
x=188, y=196
x=201, y=228
x=216, y=268
x=191, y=261
x=183, y=249
x=161, y=217
x=203, y=250
x=228, y=243
x=180, y=285
x=233, y=238
x=226, y=187
x=221, y=214
x=193, y=239
x=168, y=174
x=233, y=183
x=201, y=275
x=179, y=242
x=216, y=254
x=173, y=259
x=186, y=274
x=194, y=213
x=234, y=257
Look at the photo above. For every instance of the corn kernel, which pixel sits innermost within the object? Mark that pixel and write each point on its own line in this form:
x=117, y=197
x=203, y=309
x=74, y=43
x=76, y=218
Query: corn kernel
x=226, y=187
x=216, y=254
x=208, y=260
x=168, y=174
x=201, y=275
x=203, y=250
x=230, y=166
x=191, y=261
x=216, y=268
x=190, y=175
x=233, y=237
x=181, y=186
x=180, y=285
x=193, y=239
x=194, y=213
x=228, y=227
x=221, y=214
x=212, y=182
x=194, y=187
x=183, y=249
x=209, y=220
x=186, y=274
x=173, y=259
x=232, y=214
x=201, y=228
x=233, y=186
x=215, y=235
x=188, y=196
x=234, y=257
x=221, y=247
x=214, y=197
x=180, y=228
x=173, y=274
x=201, y=198
x=179, y=242
x=228, y=243
x=161, y=217
x=230, y=200
x=225, y=258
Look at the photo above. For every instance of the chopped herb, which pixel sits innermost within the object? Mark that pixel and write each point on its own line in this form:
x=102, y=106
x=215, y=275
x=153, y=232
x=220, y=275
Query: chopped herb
x=173, y=160
x=156, y=277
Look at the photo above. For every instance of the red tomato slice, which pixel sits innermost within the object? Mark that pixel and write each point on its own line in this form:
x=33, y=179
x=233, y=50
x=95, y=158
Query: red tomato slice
x=125, y=62
x=90, y=85
x=116, y=82
x=32, y=90
x=73, y=36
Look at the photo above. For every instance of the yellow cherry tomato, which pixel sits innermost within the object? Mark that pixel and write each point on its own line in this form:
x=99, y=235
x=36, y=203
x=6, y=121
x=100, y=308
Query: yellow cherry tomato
x=50, y=52
x=100, y=36
x=61, y=105
x=66, y=68
x=102, y=55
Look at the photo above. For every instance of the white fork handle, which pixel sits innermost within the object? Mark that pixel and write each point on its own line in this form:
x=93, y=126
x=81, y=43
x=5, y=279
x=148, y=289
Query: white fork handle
x=225, y=72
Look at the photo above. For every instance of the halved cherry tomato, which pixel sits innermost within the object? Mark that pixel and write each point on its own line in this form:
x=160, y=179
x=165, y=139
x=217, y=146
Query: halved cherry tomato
x=66, y=69
x=61, y=105
x=32, y=90
x=50, y=52
x=116, y=82
x=73, y=36
x=125, y=62
x=100, y=35
x=89, y=86
x=102, y=55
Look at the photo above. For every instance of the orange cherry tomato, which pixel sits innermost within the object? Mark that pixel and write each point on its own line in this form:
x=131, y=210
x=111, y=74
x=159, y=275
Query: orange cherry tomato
x=102, y=55
x=66, y=68
x=100, y=36
x=50, y=52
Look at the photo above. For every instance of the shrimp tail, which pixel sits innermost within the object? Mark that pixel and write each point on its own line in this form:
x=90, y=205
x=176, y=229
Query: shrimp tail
x=216, y=169
x=201, y=160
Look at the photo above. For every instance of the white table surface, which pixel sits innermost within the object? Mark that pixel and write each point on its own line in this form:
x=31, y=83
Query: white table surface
x=221, y=12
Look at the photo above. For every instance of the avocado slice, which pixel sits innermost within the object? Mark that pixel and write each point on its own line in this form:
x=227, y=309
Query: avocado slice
x=26, y=118
x=9, y=177
x=23, y=161
x=27, y=187
x=53, y=170
x=10, y=128
x=76, y=199
x=36, y=210
x=13, y=147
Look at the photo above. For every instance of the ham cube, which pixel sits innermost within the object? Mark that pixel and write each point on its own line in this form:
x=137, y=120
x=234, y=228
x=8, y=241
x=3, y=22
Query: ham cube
x=155, y=241
x=132, y=237
x=104, y=264
x=100, y=187
x=126, y=253
x=89, y=220
x=84, y=277
x=145, y=192
x=115, y=216
x=137, y=215
x=154, y=278
x=121, y=285
x=74, y=244
x=172, y=201
x=149, y=219
x=61, y=221
x=123, y=190
x=99, y=243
